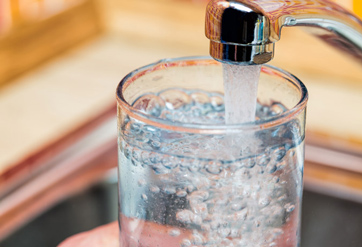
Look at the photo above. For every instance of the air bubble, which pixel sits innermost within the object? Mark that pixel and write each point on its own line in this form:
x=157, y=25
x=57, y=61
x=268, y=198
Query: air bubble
x=237, y=206
x=181, y=193
x=289, y=207
x=196, y=219
x=197, y=239
x=184, y=216
x=205, y=227
x=159, y=169
x=145, y=157
x=281, y=165
x=200, y=195
x=277, y=108
x=271, y=168
x=175, y=99
x=186, y=243
x=154, y=189
x=155, y=143
x=141, y=182
x=128, y=151
x=224, y=232
x=217, y=103
x=277, y=232
x=150, y=104
x=154, y=158
x=136, y=154
x=200, y=209
x=170, y=190
x=169, y=163
x=279, y=154
x=214, y=168
x=234, y=233
x=200, y=98
x=174, y=232
x=190, y=188
x=241, y=215
x=249, y=163
x=264, y=201
x=264, y=160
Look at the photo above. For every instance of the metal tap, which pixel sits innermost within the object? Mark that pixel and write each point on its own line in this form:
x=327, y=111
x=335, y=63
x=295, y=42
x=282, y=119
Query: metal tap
x=245, y=31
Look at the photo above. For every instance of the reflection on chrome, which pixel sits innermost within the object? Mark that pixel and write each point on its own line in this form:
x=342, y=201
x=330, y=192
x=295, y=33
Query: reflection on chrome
x=244, y=31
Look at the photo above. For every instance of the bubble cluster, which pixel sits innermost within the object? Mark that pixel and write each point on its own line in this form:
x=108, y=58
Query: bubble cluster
x=226, y=190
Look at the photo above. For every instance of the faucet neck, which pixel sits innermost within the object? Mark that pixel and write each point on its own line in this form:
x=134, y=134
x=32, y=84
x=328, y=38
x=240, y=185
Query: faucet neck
x=243, y=31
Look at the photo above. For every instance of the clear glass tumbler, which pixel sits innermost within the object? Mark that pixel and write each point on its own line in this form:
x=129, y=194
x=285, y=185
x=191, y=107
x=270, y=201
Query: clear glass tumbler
x=187, y=179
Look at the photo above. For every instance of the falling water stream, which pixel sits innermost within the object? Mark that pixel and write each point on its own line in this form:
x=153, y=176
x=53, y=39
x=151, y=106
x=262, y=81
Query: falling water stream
x=240, y=92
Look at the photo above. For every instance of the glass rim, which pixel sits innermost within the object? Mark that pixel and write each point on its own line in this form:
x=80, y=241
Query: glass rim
x=207, y=128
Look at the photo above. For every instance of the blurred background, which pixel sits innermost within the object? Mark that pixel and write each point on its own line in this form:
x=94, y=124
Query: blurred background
x=60, y=62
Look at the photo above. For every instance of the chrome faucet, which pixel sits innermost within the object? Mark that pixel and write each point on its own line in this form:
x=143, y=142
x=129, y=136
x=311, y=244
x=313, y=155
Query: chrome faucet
x=245, y=31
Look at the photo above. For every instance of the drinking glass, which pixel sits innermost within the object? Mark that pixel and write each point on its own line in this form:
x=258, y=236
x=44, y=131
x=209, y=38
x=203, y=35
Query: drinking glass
x=188, y=179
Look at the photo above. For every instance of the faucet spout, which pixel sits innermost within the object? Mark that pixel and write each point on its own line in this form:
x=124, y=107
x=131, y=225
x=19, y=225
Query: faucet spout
x=244, y=31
